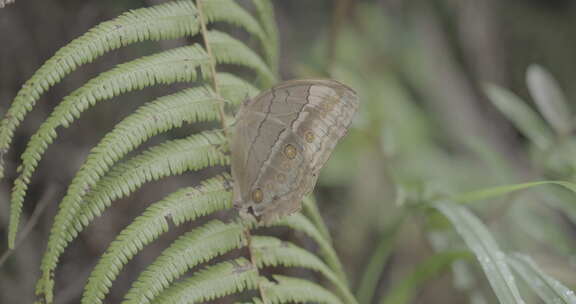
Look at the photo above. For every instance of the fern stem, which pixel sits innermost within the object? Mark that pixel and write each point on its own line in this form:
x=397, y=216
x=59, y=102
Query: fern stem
x=252, y=256
x=214, y=79
x=215, y=87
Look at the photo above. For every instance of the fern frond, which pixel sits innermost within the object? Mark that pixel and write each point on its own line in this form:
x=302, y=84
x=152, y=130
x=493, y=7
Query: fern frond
x=310, y=210
x=165, y=113
x=254, y=301
x=171, y=158
x=190, y=105
x=168, y=159
x=265, y=12
x=293, y=290
x=166, y=21
x=270, y=251
x=167, y=67
x=229, y=50
x=231, y=12
x=215, y=281
x=202, y=244
x=235, y=89
x=182, y=206
x=299, y=222
x=102, y=179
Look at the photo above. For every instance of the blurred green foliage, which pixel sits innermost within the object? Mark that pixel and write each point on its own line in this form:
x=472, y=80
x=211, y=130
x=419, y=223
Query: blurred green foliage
x=411, y=146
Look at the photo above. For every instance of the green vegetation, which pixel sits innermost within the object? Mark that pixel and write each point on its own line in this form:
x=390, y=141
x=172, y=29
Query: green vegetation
x=452, y=186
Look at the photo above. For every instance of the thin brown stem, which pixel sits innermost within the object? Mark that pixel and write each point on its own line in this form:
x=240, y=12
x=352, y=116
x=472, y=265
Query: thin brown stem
x=248, y=236
x=214, y=79
x=215, y=87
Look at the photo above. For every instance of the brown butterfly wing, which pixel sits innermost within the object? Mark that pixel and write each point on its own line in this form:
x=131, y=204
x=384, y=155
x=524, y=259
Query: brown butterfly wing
x=283, y=137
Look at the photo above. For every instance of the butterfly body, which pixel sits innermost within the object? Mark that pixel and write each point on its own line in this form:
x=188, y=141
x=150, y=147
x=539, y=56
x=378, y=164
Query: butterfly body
x=282, y=138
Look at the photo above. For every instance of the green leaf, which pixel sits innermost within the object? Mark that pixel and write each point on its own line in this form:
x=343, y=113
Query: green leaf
x=526, y=120
x=163, y=114
x=480, y=241
x=230, y=12
x=200, y=245
x=550, y=290
x=182, y=206
x=293, y=290
x=550, y=99
x=166, y=21
x=265, y=11
x=300, y=223
x=235, y=89
x=229, y=50
x=492, y=192
x=171, y=20
x=310, y=210
x=175, y=65
x=170, y=158
x=213, y=282
x=270, y=251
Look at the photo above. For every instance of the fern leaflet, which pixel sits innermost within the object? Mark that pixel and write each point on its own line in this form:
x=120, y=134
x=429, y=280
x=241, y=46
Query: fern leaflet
x=171, y=158
x=270, y=251
x=200, y=245
x=213, y=282
x=182, y=206
x=170, y=66
x=287, y=289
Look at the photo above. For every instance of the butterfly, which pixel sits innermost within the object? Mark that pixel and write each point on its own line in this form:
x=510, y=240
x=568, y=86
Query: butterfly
x=281, y=140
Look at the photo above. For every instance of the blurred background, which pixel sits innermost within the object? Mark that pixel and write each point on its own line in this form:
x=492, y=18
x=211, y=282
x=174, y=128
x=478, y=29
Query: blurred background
x=426, y=128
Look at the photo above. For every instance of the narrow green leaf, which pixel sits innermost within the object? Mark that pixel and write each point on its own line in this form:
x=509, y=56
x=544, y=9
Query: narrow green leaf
x=550, y=290
x=550, y=99
x=492, y=192
x=526, y=120
x=480, y=241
